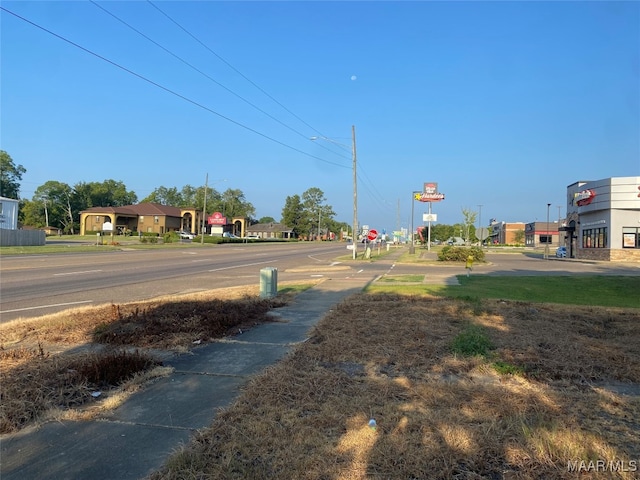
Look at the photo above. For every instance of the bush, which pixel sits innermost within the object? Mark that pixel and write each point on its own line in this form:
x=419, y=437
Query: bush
x=460, y=254
x=170, y=237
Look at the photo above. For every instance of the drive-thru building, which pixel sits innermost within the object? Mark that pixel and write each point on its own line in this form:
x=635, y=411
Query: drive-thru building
x=603, y=219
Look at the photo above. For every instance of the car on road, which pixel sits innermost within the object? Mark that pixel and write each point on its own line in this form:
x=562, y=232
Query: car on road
x=186, y=235
x=561, y=252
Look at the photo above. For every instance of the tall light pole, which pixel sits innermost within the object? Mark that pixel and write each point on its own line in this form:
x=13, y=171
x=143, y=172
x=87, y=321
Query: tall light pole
x=412, y=244
x=546, y=245
x=480, y=224
x=204, y=209
x=354, y=227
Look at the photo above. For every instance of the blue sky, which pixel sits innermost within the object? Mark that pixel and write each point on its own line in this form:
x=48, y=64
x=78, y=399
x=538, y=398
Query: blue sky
x=503, y=104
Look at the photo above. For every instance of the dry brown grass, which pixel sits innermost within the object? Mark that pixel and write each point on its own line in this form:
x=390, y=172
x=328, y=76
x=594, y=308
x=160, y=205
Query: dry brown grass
x=54, y=366
x=439, y=415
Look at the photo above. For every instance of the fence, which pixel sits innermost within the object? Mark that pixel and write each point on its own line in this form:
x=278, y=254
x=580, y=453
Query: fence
x=21, y=238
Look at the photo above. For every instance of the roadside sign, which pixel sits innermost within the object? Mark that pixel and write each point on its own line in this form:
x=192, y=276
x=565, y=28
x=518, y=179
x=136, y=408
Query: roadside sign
x=372, y=235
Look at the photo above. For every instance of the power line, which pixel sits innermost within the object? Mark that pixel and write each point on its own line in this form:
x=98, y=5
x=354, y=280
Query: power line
x=197, y=69
x=232, y=67
x=168, y=90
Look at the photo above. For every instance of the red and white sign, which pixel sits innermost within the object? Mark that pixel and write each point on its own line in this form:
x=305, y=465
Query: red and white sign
x=372, y=235
x=217, y=218
x=585, y=197
x=430, y=197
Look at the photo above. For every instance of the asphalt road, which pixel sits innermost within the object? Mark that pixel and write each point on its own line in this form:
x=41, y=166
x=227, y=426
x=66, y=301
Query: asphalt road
x=33, y=285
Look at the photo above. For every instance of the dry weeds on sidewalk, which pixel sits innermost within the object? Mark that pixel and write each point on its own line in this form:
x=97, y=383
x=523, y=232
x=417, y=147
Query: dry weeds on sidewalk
x=82, y=362
x=554, y=394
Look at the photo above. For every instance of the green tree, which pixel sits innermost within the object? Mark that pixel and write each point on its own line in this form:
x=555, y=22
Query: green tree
x=442, y=232
x=57, y=199
x=109, y=193
x=314, y=209
x=267, y=220
x=518, y=236
x=234, y=204
x=293, y=214
x=31, y=213
x=165, y=196
x=10, y=176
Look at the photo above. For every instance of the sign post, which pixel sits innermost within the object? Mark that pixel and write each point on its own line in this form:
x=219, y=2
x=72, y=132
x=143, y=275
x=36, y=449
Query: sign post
x=430, y=195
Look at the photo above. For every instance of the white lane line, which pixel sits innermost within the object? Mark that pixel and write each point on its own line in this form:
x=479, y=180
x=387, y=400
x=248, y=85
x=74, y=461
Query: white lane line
x=240, y=266
x=45, y=306
x=75, y=273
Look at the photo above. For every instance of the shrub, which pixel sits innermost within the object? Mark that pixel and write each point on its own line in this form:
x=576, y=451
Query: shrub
x=460, y=254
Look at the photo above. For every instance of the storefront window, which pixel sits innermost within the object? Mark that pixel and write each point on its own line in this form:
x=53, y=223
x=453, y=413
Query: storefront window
x=630, y=237
x=594, y=238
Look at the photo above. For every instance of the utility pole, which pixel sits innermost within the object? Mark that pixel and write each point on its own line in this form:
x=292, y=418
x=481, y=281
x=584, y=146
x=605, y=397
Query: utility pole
x=355, y=192
x=204, y=208
x=480, y=223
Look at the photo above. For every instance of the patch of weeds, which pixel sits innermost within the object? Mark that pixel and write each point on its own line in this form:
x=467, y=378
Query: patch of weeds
x=113, y=368
x=505, y=368
x=474, y=302
x=471, y=342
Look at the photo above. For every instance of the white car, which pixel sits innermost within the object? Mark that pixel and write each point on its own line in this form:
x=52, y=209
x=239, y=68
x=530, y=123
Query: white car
x=186, y=235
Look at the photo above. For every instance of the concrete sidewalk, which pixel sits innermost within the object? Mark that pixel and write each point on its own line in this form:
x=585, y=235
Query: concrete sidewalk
x=136, y=438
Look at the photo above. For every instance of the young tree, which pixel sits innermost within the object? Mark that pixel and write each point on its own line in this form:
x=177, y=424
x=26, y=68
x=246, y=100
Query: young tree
x=10, y=176
x=468, y=225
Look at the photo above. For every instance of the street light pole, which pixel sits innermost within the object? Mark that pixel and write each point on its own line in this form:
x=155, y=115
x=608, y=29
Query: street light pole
x=480, y=224
x=412, y=245
x=546, y=245
x=204, y=209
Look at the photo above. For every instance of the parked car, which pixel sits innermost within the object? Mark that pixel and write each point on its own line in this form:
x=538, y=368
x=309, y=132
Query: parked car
x=253, y=236
x=561, y=252
x=186, y=235
x=229, y=235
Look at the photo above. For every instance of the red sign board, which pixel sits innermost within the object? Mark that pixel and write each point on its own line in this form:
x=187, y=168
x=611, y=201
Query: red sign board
x=372, y=235
x=217, y=219
x=585, y=197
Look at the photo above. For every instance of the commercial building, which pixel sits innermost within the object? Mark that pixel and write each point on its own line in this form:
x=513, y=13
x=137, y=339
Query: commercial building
x=603, y=219
x=541, y=234
x=506, y=233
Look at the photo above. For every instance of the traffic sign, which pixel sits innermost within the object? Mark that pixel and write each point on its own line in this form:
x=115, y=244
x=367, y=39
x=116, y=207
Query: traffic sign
x=372, y=235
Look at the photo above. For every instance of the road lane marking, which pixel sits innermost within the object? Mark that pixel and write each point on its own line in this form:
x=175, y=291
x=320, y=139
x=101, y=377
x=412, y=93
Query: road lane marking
x=75, y=273
x=240, y=266
x=45, y=306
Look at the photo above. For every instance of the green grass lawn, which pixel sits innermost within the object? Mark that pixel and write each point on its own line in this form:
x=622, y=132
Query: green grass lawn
x=595, y=290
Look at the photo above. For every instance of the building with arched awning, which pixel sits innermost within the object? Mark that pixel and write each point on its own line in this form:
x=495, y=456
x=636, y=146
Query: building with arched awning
x=141, y=218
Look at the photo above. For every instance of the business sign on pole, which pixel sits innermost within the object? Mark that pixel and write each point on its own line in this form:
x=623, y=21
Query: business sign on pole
x=217, y=218
x=429, y=217
x=430, y=193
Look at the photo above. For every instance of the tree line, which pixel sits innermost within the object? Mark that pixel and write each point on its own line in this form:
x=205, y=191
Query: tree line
x=58, y=205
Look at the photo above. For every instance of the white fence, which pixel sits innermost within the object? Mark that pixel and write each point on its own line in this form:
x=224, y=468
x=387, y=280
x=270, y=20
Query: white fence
x=21, y=238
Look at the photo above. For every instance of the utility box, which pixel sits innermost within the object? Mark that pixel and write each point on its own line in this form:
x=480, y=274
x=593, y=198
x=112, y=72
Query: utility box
x=268, y=282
